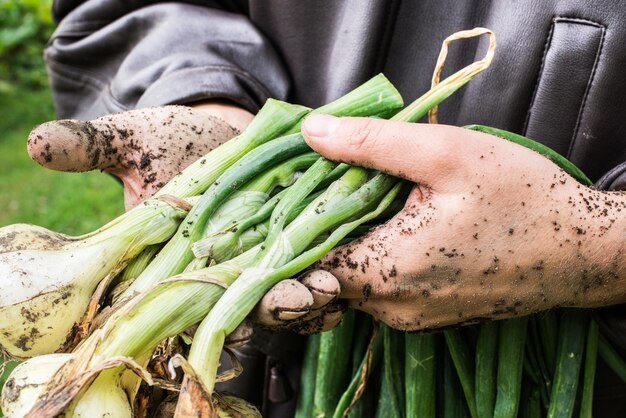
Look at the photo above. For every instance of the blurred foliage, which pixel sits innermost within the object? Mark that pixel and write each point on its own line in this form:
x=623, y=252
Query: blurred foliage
x=72, y=203
x=25, y=27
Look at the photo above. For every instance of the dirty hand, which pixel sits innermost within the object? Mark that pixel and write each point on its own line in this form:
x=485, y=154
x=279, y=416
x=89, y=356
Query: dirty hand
x=144, y=148
x=491, y=230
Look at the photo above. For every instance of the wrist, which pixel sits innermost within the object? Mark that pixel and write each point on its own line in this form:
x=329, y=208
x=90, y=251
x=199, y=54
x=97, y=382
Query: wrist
x=235, y=116
x=598, y=250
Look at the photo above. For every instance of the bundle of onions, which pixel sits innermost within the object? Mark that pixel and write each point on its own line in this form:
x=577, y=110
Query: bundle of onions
x=268, y=208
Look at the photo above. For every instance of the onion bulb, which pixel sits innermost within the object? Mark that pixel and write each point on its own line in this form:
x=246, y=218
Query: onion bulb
x=47, y=278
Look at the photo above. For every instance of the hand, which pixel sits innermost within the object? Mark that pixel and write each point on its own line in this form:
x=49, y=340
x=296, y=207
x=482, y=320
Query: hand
x=144, y=148
x=491, y=229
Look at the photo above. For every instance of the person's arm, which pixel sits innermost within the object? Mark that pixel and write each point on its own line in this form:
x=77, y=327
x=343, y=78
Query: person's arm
x=108, y=56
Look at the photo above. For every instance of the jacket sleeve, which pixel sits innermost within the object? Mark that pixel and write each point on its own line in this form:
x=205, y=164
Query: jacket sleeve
x=612, y=320
x=108, y=56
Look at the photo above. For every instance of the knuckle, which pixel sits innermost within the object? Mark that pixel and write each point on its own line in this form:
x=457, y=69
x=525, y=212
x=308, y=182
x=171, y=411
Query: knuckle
x=321, y=281
x=363, y=133
x=402, y=322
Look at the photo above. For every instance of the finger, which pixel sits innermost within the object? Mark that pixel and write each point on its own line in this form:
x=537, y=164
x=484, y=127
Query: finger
x=417, y=152
x=324, y=287
x=74, y=145
x=240, y=336
x=320, y=320
x=365, y=267
x=331, y=320
x=286, y=301
x=132, y=140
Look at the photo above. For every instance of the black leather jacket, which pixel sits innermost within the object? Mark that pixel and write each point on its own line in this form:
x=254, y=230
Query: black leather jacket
x=557, y=77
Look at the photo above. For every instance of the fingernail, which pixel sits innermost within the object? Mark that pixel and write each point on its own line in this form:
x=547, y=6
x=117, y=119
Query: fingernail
x=320, y=126
x=291, y=315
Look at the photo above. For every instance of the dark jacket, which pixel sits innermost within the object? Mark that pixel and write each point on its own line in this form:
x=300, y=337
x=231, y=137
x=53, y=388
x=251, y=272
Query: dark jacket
x=557, y=77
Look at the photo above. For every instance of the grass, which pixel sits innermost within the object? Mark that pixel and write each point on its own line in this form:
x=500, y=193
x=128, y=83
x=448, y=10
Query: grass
x=72, y=203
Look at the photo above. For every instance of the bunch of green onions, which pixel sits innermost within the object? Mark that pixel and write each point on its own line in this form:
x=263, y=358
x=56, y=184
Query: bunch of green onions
x=259, y=209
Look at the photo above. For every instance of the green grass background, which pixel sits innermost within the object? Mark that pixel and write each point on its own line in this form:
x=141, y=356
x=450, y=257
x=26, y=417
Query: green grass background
x=72, y=203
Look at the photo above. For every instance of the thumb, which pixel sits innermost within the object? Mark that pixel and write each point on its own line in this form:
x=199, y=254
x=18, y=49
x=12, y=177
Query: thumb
x=417, y=152
x=74, y=145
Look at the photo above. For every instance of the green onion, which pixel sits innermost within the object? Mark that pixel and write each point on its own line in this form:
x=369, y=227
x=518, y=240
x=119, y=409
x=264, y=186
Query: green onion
x=461, y=357
x=330, y=381
x=573, y=331
x=139, y=263
x=591, y=357
x=419, y=375
x=232, y=243
x=486, y=368
x=247, y=200
x=391, y=402
x=306, y=392
x=510, y=365
x=369, y=360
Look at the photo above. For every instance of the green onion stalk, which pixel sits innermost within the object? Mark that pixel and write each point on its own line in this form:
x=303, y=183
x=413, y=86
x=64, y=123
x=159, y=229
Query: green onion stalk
x=306, y=392
x=349, y=400
x=226, y=244
x=391, y=402
x=573, y=329
x=228, y=241
x=139, y=263
x=250, y=197
x=245, y=235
